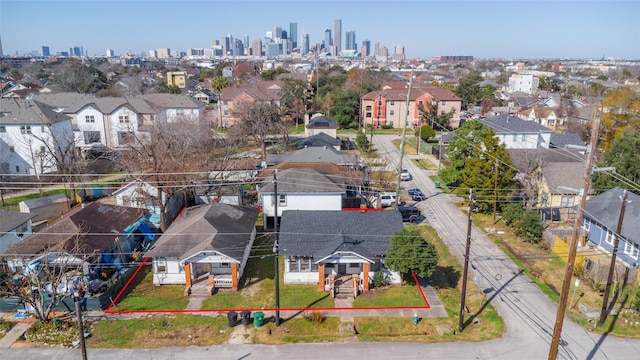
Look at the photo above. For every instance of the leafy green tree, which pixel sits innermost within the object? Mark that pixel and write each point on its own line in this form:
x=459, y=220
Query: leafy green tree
x=529, y=226
x=625, y=157
x=512, y=213
x=272, y=74
x=343, y=105
x=462, y=147
x=432, y=116
x=168, y=89
x=489, y=168
x=425, y=132
x=469, y=90
x=362, y=142
x=409, y=251
x=293, y=100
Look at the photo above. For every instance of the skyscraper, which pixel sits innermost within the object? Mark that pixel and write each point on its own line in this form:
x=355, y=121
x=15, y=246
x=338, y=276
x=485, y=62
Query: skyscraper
x=110, y=53
x=245, y=41
x=350, y=41
x=293, y=34
x=327, y=39
x=256, y=48
x=277, y=33
x=305, y=45
x=365, y=48
x=45, y=51
x=337, y=35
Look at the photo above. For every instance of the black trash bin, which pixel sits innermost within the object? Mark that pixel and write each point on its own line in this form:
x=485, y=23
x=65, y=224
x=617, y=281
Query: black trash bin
x=233, y=318
x=246, y=317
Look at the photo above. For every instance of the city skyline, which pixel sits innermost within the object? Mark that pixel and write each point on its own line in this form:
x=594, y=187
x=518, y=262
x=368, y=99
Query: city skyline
x=483, y=29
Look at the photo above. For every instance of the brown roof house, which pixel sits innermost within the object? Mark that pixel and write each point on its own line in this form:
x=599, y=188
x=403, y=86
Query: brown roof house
x=97, y=235
x=207, y=246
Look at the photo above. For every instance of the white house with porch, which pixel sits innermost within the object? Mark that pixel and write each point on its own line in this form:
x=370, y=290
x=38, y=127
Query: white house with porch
x=339, y=251
x=206, y=243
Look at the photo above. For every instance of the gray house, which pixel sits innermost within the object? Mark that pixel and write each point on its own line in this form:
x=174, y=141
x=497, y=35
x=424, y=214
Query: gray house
x=601, y=221
x=329, y=248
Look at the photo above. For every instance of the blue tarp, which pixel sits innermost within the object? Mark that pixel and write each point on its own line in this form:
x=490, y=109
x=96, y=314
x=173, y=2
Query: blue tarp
x=146, y=231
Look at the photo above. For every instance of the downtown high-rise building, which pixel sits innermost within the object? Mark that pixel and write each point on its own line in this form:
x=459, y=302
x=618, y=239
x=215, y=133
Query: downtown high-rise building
x=350, y=41
x=256, y=48
x=305, y=45
x=293, y=34
x=337, y=35
x=110, y=53
x=365, y=48
x=45, y=51
x=327, y=39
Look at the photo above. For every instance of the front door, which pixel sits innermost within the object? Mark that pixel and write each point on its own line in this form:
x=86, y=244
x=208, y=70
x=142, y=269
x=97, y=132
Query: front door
x=342, y=268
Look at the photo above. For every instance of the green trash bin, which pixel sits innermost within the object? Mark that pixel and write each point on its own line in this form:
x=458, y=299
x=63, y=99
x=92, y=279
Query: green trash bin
x=437, y=184
x=258, y=318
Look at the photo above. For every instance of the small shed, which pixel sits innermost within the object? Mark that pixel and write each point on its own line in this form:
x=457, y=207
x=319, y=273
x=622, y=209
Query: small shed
x=46, y=207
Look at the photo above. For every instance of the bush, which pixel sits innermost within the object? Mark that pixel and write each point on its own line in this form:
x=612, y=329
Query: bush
x=512, y=213
x=379, y=279
x=386, y=127
x=314, y=316
x=362, y=142
x=529, y=227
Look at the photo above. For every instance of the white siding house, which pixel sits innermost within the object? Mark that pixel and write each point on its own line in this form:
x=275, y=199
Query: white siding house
x=516, y=133
x=90, y=129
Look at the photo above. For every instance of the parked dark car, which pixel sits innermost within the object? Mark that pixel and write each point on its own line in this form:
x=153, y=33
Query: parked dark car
x=410, y=213
x=416, y=194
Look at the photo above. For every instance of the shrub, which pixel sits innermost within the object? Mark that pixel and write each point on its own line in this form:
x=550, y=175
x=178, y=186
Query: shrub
x=386, y=127
x=512, y=213
x=314, y=316
x=379, y=279
x=362, y=142
x=529, y=227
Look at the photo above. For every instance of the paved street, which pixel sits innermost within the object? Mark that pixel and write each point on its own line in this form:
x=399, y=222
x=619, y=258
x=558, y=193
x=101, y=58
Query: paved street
x=528, y=313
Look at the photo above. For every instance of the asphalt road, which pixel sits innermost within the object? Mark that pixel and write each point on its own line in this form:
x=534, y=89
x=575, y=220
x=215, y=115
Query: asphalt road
x=529, y=315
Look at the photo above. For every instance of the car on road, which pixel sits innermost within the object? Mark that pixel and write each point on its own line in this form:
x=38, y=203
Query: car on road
x=405, y=175
x=410, y=213
x=387, y=199
x=416, y=194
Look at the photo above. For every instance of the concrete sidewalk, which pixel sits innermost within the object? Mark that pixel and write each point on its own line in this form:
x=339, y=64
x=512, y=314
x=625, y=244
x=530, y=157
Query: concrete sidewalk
x=14, y=334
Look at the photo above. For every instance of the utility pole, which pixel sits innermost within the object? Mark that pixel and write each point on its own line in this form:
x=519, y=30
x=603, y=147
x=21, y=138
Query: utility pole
x=612, y=266
x=573, y=246
x=76, y=300
x=495, y=193
x=404, y=132
x=275, y=245
x=466, y=263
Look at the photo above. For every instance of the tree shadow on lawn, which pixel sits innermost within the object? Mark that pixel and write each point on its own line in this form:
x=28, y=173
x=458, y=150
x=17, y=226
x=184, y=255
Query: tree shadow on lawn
x=308, y=307
x=445, y=277
x=260, y=265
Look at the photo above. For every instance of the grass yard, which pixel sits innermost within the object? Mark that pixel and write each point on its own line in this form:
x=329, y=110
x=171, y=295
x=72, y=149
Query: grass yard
x=13, y=202
x=425, y=164
x=154, y=332
x=299, y=330
x=392, y=295
x=146, y=296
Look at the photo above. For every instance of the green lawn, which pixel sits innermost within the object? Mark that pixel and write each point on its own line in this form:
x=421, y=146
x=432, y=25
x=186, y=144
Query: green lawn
x=147, y=296
x=392, y=295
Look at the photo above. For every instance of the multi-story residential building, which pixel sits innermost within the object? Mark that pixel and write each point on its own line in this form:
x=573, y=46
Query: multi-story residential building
x=177, y=78
x=163, y=53
x=525, y=83
x=389, y=105
x=35, y=138
x=233, y=98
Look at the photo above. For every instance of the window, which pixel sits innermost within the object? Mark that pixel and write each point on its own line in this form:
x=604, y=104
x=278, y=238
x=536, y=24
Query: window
x=442, y=112
x=91, y=137
x=42, y=129
x=305, y=264
x=393, y=102
x=225, y=265
x=523, y=138
x=379, y=112
x=354, y=265
x=25, y=129
x=3, y=129
x=379, y=102
x=368, y=115
x=443, y=103
x=631, y=249
x=391, y=112
x=567, y=201
x=293, y=264
x=282, y=199
x=180, y=112
x=226, y=112
x=420, y=103
x=161, y=264
x=368, y=108
x=90, y=119
x=610, y=237
x=586, y=224
x=515, y=137
x=123, y=119
x=41, y=149
x=17, y=168
x=12, y=149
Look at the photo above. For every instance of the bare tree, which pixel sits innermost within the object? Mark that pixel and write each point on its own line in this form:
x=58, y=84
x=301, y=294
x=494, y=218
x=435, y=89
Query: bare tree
x=44, y=282
x=259, y=121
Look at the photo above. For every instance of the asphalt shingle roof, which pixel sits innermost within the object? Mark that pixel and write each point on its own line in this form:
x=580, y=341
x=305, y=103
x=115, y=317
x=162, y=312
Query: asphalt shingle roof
x=10, y=220
x=561, y=140
x=322, y=233
x=503, y=124
x=210, y=227
x=318, y=140
x=605, y=209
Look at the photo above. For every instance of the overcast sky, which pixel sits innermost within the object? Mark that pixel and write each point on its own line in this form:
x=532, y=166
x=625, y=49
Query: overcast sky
x=483, y=29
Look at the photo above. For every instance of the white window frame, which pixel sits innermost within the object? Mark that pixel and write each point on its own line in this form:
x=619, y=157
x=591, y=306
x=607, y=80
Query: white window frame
x=161, y=265
x=632, y=249
x=89, y=119
x=610, y=237
x=282, y=199
x=123, y=119
x=586, y=224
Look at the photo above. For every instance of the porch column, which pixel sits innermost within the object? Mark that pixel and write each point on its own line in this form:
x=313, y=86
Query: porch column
x=365, y=277
x=320, y=277
x=234, y=276
x=187, y=274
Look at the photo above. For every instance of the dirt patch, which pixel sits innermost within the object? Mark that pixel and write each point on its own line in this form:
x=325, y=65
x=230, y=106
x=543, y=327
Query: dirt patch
x=241, y=335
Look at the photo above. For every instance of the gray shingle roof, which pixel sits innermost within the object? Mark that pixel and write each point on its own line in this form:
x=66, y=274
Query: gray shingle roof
x=605, y=209
x=561, y=140
x=10, y=220
x=45, y=200
x=318, y=140
x=503, y=124
x=322, y=122
x=303, y=180
x=28, y=112
x=313, y=154
x=322, y=233
x=210, y=227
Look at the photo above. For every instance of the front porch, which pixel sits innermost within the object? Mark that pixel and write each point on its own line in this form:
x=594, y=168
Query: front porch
x=201, y=278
